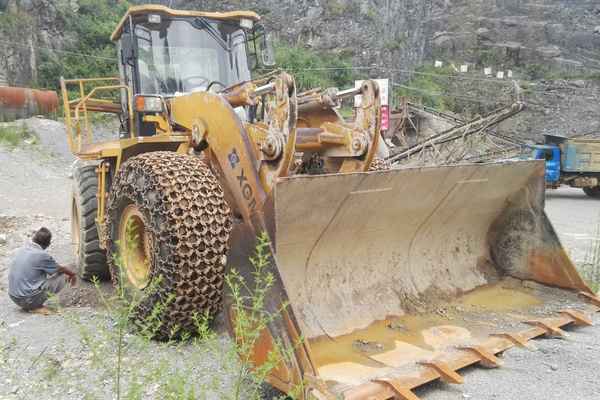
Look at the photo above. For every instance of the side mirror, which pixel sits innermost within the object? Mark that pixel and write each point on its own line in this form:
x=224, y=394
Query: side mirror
x=264, y=55
x=127, y=49
x=253, y=61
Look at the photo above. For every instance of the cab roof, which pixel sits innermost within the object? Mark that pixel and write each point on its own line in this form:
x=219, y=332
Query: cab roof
x=157, y=9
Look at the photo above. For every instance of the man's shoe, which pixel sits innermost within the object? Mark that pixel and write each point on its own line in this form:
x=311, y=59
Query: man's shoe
x=42, y=311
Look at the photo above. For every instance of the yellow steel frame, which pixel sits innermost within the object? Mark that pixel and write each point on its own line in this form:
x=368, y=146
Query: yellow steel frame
x=101, y=172
x=78, y=128
x=76, y=110
x=153, y=8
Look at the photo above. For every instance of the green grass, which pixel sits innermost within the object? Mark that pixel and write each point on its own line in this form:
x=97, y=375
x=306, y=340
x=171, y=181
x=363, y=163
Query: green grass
x=315, y=69
x=14, y=135
x=346, y=112
x=429, y=88
x=336, y=7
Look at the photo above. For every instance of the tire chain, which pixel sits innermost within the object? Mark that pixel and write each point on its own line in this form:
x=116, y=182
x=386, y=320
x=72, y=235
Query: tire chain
x=189, y=222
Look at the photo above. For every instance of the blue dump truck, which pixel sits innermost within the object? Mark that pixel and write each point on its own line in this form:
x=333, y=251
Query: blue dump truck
x=571, y=161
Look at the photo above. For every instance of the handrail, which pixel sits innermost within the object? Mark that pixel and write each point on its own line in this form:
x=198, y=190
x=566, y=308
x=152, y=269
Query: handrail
x=84, y=80
x=86, y=102
x=85, y=99
x=94, y=90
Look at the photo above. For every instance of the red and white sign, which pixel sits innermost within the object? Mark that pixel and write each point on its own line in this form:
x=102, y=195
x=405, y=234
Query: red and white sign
x=385, y=118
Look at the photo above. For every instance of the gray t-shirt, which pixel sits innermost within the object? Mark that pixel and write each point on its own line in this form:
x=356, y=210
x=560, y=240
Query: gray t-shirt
x=29, y=270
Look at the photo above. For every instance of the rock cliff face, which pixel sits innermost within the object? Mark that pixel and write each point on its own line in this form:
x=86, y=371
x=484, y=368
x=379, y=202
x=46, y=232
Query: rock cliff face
x=26, y=28
x=384, y=32
x=397, y=34
x=559, y=107
x=549, y=35
x=402, y=33
x=562, y=33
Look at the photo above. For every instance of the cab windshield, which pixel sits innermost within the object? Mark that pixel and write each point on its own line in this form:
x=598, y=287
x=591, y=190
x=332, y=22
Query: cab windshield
x=180, y=56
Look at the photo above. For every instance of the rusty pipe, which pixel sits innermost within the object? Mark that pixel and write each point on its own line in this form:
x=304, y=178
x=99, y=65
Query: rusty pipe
x=17, y=102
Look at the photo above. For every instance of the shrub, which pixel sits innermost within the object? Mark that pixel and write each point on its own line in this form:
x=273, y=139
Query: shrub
x=313, y=69
x=92, y=26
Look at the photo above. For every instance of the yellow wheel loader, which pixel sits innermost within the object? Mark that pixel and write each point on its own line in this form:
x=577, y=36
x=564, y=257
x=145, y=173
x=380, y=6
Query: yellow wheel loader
x=392, y=278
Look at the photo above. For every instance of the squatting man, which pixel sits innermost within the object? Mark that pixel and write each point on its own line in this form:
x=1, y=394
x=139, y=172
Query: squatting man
x=34, y=276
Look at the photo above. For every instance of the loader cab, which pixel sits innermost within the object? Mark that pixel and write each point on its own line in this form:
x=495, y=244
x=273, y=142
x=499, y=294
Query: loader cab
x=166, y=53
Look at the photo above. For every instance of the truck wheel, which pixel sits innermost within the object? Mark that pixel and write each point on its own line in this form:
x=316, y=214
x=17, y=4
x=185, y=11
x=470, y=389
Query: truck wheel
x=91, y=259
x=168, y=226
x=592, y=191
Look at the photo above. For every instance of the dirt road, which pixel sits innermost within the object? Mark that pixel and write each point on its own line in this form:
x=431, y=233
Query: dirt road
x=576, y=218
x=43, y=357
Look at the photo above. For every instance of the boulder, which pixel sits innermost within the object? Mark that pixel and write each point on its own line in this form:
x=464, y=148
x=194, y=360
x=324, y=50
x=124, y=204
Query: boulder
x=578, y=83
x=549, y=51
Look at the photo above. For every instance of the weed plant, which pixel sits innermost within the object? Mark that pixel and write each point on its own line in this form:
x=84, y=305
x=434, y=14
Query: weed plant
x=13, y=135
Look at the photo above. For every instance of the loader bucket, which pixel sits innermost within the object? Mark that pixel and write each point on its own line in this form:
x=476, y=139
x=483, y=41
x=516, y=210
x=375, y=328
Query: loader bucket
x=396, y=278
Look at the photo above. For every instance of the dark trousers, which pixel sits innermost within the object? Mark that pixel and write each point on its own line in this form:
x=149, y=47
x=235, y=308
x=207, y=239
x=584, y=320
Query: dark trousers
x=53, y=285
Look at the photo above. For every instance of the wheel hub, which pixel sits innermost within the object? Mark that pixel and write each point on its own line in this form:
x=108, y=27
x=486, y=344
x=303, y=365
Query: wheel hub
x=134, y=247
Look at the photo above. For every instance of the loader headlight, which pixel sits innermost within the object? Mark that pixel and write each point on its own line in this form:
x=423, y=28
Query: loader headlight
x=246, y=24
x=148, y=104
x=154, y=18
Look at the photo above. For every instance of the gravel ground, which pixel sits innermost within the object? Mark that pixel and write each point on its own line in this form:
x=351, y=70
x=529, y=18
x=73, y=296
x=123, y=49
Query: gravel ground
x=44, y=358
x=576, y=218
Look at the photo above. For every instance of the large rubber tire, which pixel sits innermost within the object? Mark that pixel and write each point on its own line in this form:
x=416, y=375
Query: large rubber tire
x=186, y=225
x=91, y=259
x=592, y=191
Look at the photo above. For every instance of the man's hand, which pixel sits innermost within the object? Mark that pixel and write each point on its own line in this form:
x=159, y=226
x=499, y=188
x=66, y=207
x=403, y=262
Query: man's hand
x=72, y=279
x=71, y=276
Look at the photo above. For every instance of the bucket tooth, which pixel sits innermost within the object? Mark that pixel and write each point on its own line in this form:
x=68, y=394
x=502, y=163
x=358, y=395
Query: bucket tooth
x=446, y=373
x=488, y=359
x=515, y=338
x=551, y=331
x=590, y=298
x=314, y=394
x=578, y=317
x=402, y=393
